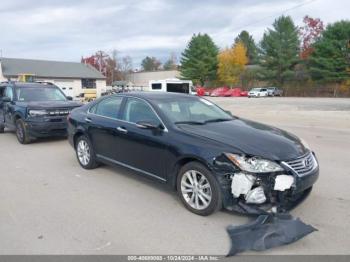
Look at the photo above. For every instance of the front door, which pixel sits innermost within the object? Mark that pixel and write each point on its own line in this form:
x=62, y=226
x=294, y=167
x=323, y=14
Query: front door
x=8, y=109
x=141, y=149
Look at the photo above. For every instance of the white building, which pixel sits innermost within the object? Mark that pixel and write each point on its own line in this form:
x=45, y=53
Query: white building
x=142, y=79
x=73, y=78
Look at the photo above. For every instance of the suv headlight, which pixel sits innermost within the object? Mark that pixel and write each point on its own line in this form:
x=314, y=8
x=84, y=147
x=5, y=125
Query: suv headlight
x=34, y=112
x=254, y=164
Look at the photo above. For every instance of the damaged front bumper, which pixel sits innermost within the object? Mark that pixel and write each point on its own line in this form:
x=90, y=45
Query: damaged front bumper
x=267, y=193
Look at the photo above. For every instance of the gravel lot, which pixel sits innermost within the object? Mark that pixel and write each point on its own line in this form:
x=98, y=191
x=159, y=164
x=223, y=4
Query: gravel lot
x=50, y=205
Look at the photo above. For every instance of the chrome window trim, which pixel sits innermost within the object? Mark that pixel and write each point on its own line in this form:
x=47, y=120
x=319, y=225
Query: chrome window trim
x=131, y=167
x=117, y=119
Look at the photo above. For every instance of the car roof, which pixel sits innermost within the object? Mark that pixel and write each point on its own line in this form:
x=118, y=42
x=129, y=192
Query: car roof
x=26, y=85
x=156, y=95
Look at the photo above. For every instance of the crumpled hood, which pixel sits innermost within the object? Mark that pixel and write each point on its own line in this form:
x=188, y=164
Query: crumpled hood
x=252, y=138
x=49, y=104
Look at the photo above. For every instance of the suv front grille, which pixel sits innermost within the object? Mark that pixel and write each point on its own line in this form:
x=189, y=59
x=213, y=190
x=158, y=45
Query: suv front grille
x=58, y=112
x=303, y=165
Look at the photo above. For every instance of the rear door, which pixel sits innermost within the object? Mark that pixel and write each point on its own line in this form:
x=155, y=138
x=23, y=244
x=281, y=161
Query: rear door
x=102, y=121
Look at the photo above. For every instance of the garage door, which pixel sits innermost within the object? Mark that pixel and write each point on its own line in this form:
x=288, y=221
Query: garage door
x=66, y=87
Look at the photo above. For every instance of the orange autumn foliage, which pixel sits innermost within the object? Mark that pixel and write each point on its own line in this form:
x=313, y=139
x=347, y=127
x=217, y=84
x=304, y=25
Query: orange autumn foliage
x=231, y=62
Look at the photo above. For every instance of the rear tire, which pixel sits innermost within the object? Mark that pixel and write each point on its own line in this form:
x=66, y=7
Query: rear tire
x=22, y=132
x=85, y=153
x=198, y=189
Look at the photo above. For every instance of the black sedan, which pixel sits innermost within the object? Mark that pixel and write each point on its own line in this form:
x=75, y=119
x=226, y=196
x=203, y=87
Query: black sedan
x=212, y=159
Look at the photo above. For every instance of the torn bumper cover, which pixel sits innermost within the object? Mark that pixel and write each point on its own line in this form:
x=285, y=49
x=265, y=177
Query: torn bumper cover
x=256, y=194
x=267, y=231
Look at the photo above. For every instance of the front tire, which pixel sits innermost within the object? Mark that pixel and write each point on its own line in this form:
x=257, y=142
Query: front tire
x=22, y=132
x=198, y=189
x=85, y=153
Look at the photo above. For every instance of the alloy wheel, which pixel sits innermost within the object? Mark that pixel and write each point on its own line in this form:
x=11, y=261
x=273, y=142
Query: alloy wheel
x=196, y=189
x=83, y=150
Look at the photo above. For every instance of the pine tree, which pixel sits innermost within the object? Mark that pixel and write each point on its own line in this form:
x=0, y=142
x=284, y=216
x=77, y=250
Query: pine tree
x=199, y=59
x=150, y=64
x=279, y=51
x=249, y=43
x=330, y=60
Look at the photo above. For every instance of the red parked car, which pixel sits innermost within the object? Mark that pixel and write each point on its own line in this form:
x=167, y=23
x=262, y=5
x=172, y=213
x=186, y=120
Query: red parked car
x=234, y=92
x=244, y=93
x=200, y=91
x=220, y=91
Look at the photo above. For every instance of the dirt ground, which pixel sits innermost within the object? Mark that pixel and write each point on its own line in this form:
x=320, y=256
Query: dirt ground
x=50, y=205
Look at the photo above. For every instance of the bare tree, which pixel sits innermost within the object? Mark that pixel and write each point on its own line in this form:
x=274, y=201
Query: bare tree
x=125, y=66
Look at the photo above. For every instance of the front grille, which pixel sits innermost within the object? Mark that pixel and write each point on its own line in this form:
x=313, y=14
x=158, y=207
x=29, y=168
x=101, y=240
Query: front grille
x=58, y=112
x=303, y=165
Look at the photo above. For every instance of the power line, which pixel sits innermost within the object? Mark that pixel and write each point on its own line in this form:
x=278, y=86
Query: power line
x=271, y=16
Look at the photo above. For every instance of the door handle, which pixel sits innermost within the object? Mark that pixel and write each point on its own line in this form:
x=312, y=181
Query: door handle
x=122, y=129
x=88, y=120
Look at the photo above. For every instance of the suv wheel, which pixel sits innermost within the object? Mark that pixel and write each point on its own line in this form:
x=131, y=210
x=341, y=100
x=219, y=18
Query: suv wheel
x=85, y=153
x=198, y=189
x=21, y=132
x=2, y=129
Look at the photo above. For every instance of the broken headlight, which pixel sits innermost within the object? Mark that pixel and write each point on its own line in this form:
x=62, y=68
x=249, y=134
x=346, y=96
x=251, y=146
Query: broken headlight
x=254, y=164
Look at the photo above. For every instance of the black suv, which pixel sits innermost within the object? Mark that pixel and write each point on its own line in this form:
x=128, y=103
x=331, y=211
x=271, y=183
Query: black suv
x=34, y=110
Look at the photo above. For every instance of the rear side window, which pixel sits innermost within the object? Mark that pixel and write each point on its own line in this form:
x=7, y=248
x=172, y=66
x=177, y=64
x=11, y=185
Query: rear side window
x=156, y=86
x=108, y=107
x=178, y=88
x=2, y=91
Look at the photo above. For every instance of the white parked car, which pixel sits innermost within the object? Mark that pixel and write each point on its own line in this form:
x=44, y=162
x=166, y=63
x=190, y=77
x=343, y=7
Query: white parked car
x=274, y=91
x=258, y=92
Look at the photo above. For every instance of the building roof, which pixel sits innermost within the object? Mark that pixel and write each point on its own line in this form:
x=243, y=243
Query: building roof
x=143, y=78
x=51, y=69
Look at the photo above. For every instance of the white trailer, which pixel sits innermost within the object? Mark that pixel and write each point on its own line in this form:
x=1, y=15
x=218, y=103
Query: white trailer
x=172, y=85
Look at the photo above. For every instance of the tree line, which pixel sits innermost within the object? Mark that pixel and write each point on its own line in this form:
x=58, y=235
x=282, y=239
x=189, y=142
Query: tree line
x=298, y=59
x=287, y=55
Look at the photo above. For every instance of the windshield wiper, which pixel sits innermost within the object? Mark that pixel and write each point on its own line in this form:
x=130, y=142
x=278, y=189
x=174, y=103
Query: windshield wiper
x=217, y=120
x=190, y=122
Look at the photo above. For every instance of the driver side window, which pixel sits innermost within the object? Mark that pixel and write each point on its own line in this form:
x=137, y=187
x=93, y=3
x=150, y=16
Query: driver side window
x=137, y=110
x=9, y=92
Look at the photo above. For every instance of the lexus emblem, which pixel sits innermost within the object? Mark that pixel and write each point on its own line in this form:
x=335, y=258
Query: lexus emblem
x=307, y=162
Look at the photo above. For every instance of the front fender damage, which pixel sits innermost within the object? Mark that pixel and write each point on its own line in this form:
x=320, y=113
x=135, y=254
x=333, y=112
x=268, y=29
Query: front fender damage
x=268, y=196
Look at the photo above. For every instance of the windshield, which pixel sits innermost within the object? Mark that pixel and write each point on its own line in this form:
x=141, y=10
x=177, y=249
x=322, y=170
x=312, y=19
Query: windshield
x=192, y=111
x=40, y=94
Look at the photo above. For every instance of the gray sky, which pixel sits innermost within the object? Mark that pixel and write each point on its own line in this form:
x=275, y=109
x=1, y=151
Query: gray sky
x=68, y=29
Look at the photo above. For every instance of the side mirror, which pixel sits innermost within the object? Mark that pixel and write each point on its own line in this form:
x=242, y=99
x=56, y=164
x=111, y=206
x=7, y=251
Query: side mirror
x=147, y=125
x=6, y=99
x=69, y=98
x=229, y=112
